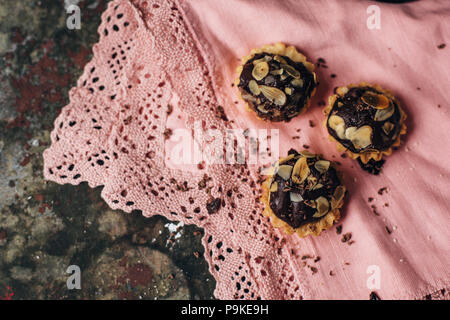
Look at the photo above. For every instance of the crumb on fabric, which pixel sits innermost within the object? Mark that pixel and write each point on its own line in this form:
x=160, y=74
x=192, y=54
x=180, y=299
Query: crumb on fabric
x=346, y=237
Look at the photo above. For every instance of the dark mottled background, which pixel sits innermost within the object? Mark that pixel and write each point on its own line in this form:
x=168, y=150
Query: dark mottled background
x=45, y=227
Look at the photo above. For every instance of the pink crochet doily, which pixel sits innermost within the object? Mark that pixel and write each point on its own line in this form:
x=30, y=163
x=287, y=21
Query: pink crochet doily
x=113, y=134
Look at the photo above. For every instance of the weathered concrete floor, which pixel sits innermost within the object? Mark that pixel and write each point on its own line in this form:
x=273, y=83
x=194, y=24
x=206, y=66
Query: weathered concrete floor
x=45, y=227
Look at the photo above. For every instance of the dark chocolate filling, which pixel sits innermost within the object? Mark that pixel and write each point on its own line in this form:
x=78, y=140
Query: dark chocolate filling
x=295, y=101
x=357, y=113
x=297, y=214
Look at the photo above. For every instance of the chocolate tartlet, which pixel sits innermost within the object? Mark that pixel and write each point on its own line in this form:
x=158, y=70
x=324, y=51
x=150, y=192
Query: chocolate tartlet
x=303, y=194
x=276, y=82
x=366, y=121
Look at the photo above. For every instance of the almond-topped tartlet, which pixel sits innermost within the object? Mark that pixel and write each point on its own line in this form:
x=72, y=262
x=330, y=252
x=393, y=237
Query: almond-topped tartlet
x=303, y=193
x=276, y=82
x=366, y=122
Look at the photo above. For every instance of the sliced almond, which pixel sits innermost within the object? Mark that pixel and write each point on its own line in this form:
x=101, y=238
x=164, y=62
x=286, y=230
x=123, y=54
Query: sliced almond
x=295, y=197
x=254, y=87
x=248, y=97
x=307, y=154
x=297, y=82
x=310, y=203
x=301, y=170
x=274, y=187
x=362, y=137
x=322, y=206
x=387, y=127
x=263, y=59
x=322, y=166
x=291, y=71
x=338, y=195
x=349, y=132
x=288, y=90
x=279, y=59
x=262, y=108
x=274, y=95
x=277, y=72
x=285, y=159
x=284, y=172
x=375, y=100
x=337, y=124
x=384, y=114
x=260, y=70
x=317, y=186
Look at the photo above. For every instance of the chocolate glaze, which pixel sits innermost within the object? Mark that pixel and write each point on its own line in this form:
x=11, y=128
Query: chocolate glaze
x=297, y=214
x=357, y=114
x=294, y=103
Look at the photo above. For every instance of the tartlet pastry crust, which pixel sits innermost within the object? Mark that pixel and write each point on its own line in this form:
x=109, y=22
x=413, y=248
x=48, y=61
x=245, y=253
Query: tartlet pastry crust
x=308, y=228
x=282, y=50
x=365, y=156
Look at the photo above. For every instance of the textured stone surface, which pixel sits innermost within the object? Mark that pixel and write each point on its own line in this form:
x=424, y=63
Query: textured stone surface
x=45, y=227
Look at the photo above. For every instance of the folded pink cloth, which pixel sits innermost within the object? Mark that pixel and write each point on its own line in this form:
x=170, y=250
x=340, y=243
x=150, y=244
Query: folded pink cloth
x=152, y=54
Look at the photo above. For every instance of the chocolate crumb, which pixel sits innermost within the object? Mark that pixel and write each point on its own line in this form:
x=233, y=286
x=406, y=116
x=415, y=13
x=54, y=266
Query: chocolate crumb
x=344, y=155
x=311, y=124
x=213, y=205
x=333, y=75
x=346, y=237
x=201, y=165
x=167, y=133
x=339, y=229
x=169, y=109
x=306, y=256
x=331, y=273
x=374, y=296
x=305, y=146
x=441, y=46
x=317, y=259
x=382, y=190
x=351, y=242
x=388, y=230
x=374, y=210
x=313, y=269
x=370, y=199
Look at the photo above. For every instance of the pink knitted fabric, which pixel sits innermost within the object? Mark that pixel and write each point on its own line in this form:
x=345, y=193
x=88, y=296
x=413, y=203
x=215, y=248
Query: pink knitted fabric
x=156, y=54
